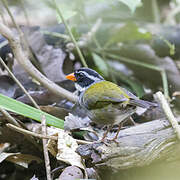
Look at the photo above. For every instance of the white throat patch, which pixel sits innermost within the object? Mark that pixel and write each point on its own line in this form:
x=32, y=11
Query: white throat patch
x=79, y=88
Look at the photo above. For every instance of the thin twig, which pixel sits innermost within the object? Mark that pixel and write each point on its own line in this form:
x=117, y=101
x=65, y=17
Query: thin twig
x=165, y=83
x=28, y=67
x=86, y=38
x=168, y=113
x=70, y=34
x=22, y=36
x=45, y=150
x=9, y=118
x=26, y=132
x=19, y=83
x=4, y=2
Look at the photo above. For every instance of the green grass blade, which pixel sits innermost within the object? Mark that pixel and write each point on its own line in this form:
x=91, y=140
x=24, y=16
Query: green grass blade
x=28, y=111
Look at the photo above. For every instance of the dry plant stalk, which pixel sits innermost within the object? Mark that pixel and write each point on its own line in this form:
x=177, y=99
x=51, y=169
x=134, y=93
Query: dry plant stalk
x=45, y=150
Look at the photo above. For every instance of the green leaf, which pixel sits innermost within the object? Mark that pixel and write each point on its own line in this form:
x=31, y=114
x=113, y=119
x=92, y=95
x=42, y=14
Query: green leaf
x=172, y=49
x=129, y=32
x=132, y=4
x=101, y=64
x=28, y=111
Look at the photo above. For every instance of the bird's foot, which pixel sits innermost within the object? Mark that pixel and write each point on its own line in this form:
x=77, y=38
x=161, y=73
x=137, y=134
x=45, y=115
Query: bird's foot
x=104, y=141
x=107, y=141
x=115, y=140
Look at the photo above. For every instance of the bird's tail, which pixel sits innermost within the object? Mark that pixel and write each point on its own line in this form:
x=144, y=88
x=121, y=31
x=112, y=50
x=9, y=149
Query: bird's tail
x=142, y=103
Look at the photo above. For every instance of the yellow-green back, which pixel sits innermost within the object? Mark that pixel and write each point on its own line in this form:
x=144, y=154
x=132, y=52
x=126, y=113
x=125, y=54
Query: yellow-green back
x=104, y=93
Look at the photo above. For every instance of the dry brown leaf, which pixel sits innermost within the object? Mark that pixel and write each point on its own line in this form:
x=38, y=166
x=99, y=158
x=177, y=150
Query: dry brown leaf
x=67, y=150
x=52, y=146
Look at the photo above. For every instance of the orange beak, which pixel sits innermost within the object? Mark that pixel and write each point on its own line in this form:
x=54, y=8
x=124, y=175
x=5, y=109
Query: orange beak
x=71, y=77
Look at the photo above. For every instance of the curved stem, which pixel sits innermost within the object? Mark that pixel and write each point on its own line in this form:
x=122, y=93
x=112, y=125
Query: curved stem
x=28, y=67
x=71, y=35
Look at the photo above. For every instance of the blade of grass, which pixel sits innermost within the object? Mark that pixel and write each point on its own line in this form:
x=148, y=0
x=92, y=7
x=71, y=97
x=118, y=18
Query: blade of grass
x=28, y=111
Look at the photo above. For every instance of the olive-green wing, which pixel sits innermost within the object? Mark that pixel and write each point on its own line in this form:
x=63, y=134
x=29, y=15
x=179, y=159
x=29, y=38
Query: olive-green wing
x=102, y=94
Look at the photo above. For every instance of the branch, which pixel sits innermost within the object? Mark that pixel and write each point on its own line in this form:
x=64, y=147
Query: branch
x=28, y=67
x=137, y=146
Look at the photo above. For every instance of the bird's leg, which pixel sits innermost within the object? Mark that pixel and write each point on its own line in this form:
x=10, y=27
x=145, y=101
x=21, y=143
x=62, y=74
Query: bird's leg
x=117, y=133
x=132, y=120
x=105, y=134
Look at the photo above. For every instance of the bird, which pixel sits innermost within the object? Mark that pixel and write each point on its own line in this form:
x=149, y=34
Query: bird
x=105, y=102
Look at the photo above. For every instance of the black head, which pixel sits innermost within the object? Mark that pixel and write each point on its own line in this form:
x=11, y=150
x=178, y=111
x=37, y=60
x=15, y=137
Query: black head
x=86, y=77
